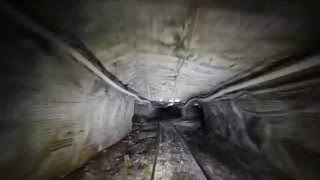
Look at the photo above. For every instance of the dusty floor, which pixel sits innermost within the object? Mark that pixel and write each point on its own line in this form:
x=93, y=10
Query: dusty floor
x=175, y=149
x=219, y=159
x=174, y=159
x=131, y=158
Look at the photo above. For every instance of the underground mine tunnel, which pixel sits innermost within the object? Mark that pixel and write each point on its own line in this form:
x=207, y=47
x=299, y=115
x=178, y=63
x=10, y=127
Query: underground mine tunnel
x=160, y=89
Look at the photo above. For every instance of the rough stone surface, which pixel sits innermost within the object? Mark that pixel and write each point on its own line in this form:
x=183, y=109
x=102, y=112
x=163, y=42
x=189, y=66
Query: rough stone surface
x=175, y=49
x=55, y=113
x=111, y=164
x=146, y=110
x=282, y=124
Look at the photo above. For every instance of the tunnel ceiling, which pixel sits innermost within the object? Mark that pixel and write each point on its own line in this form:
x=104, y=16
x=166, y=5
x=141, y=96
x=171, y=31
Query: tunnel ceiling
x=176, y=49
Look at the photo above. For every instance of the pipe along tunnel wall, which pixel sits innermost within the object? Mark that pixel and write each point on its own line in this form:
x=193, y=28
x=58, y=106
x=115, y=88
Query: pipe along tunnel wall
x=55, y=113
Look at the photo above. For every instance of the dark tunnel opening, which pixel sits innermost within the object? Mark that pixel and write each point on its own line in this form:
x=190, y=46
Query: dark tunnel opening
x=170, y=112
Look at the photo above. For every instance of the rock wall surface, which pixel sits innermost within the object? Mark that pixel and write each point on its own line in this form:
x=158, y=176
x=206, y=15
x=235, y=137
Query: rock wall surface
x=55, y=113
x=281, y=122
x=146, y=110
x=192, y=48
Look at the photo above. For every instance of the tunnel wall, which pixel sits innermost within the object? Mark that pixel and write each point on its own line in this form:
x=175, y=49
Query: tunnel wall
x=282, y=124
x=146, y=110
x=55, y=113
x=190, y=112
